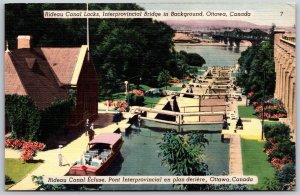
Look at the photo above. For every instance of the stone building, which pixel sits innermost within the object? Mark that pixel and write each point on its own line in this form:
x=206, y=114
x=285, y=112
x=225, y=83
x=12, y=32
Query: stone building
x=285, y=68
x=46, y=74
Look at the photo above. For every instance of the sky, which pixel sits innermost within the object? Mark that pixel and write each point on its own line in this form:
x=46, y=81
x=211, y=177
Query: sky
x=263, y=12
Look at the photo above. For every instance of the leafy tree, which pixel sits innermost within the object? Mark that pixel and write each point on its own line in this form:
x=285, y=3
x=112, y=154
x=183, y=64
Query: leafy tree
x=184, y=158
x=120, y=49
x=163, y=78
x=257, y=69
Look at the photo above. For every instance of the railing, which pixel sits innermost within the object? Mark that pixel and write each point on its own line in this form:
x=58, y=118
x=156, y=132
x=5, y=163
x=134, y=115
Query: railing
x=210, y=108
x=290, y=38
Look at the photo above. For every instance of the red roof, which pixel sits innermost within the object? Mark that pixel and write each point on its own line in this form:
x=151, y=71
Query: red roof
x=12, y=82
x=27, y=72
x=106, y=138
x=44, y=74
x=62, y=61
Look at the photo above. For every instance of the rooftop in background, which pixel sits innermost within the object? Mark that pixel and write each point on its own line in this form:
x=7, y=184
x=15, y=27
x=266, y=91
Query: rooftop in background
x=290, y=37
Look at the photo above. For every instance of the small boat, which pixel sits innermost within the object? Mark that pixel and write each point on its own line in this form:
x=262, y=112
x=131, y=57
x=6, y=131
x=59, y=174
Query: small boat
x=102, y=151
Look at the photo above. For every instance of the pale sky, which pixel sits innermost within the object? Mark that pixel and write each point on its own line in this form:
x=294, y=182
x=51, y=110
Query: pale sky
x=264, y=12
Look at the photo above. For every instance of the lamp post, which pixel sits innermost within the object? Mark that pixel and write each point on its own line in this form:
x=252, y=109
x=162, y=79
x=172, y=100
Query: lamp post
x=246, y=72
x=126, y=89
x=139, y=83
x=263, y=107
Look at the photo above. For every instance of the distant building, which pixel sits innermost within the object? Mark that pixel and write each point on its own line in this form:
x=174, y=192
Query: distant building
x=46, y=74
x=182, y=37
x=285, y=68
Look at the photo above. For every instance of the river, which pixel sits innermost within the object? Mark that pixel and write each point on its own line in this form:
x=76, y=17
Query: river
x=215, y=55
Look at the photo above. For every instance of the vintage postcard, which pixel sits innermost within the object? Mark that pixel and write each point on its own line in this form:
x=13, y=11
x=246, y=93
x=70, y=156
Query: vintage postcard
x=150, y=96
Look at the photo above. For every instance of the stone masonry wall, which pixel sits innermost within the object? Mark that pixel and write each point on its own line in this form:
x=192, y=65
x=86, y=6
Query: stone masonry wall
x=285, y=68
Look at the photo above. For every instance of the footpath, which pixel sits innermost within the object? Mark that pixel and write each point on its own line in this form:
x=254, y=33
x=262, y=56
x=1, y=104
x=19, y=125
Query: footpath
x=71, y=153
x=50, y=167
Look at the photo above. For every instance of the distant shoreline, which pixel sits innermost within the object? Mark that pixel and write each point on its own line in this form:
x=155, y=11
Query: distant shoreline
x=244, y=44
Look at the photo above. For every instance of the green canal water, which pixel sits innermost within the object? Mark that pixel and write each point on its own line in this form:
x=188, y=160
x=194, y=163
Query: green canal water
x=139, y=154
x=215, y=55
x=139, y=157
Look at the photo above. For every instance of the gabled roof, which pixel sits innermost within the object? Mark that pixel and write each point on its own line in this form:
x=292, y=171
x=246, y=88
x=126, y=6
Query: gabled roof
x=66, y=63
x=39, y=82
x=12, y=82
x=43, y=73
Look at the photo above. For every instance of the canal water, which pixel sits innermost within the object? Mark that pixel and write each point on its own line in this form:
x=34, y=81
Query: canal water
x=215, y=55
x=139, y=157
x=139, y=153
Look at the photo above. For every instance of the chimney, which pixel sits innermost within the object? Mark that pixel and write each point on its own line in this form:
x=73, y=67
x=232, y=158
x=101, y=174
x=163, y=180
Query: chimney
x=24, y=41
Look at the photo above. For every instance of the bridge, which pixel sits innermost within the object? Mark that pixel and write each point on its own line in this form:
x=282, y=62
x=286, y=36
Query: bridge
x=255, y=36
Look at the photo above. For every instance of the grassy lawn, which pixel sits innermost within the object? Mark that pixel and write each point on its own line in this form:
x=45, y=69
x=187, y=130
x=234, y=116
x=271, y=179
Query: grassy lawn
x=17, y=170
x=200, y=72
x=255, y=162
x=172, y=88
x=271, y=122
x=118, y=96
x=247, y=112
x=151, y=101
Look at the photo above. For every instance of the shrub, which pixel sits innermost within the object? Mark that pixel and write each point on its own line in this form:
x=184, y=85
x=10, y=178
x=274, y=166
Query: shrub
x=29, y=149
x=272, y=184
x=274, y=109
x=277, y=131
x=120, y=106
x=286, y=174
x=8, y=180
x=279, y=148
x=54, y=117
x=136, y=100
x=14, y=143
x=29, y=123
x=23, y=116
x=138, y=92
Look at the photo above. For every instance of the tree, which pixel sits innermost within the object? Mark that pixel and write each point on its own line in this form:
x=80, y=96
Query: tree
x=163, y=78
x=184, y=157
x=194, y=59
x=255, y=62
x=120, y=48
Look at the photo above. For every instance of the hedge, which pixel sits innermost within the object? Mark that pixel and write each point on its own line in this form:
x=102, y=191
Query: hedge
x=31, y=124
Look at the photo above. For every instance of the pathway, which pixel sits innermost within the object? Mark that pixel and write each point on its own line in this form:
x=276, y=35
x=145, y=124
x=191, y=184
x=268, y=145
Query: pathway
x=71, y=153
x=235, y=156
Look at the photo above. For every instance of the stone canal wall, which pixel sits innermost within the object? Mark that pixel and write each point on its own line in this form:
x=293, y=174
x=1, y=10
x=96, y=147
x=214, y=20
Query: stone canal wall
x=285, y=68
